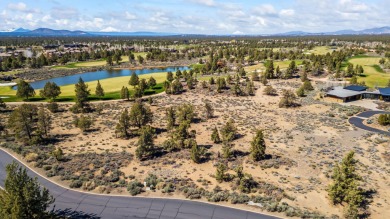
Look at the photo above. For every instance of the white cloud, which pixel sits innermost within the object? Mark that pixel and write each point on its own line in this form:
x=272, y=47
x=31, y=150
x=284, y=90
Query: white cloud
x=238, y=32
x=109, y=29
x=205, y=2
x=130, y=16
x=20, y=6
x=265, y=9
x=287, y=12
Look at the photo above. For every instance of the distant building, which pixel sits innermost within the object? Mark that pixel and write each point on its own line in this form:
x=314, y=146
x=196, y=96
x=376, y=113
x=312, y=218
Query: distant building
x=357, y=92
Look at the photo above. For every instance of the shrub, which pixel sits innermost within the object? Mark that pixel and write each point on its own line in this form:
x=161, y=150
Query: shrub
x=30, y=157
x=76, y=184
x=151, y=181
x=134, y=187
x=384, y=119
x=269, y=90
x=53, y=107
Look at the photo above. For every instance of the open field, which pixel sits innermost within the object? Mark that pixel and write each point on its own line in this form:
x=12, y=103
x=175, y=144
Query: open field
x=373, y=76
x=302, y=143
x=320, y=50
x=281, y=64
x=111, y=86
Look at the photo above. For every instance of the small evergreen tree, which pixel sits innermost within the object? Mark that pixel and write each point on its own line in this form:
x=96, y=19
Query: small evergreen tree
x=125, y=93
x=44, y=122
x=257, y=150
x=134, y=80
x=140, y=115
x=171, y=117
x=99, y=92
x=51, y=91
x=152, y=82
x=82, y=94
x=220, y=175
x=23, y=196
x=215, y=136
x=123, y=124
x=24, y=90
x=145, y=145
x=301, y=92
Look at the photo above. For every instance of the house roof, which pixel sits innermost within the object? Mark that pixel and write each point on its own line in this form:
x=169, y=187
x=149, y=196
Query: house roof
x=384, y=91
x=355, y=88
x=343, y=93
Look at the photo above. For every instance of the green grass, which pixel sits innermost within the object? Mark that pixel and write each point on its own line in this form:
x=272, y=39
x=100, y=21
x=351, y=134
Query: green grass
x=101, y=62
x=111, y=86
x=321, y=50
x=373, y=73
x=10, y=72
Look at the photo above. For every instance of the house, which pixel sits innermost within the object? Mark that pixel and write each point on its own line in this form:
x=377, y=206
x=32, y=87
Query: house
x=357, y=92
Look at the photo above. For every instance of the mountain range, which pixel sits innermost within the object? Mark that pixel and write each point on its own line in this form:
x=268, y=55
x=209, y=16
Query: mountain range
x=21, y=32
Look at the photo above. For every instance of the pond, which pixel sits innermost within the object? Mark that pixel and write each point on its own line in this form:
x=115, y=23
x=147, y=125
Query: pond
x=99, y=75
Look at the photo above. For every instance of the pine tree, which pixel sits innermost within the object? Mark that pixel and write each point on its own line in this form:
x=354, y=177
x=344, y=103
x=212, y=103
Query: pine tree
x=123, y=124
x=22, y=121
x=145, y=145
x=50, y=91
x=99, y=92
x=24, y=90
x=83, y=123
x=257, y=150
x=82, y=94
x=23, y=196
x=134, y=80
x=44, y=122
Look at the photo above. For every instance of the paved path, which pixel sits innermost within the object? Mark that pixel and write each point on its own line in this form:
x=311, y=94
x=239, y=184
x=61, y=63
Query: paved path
x=359, y=118
x=75, y=204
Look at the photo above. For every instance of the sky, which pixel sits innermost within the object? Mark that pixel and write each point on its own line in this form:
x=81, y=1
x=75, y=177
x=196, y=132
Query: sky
x=196, y=16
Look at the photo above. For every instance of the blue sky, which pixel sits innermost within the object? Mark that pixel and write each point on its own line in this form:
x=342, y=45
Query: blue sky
x=196, y=16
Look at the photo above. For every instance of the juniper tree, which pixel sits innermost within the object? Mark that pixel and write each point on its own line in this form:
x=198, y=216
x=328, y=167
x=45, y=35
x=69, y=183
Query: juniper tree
x=196, y=151
x=170, y=76
x=211, y=81
x=220, y=175
x=134, y=80
x=51, y=91
x=185, y=112
x=215, y=136
x=269, y=71
x=99, y=92
x=2, y=104
x=250, y=88
x=288, y=99
x=83, y=123
x=269, y=90
x=307, y=86
x=23, y=196
x=237, y=89
x=138, y=92
x=145, y=145
x=152, y=82
x=123, y=124
x=257, y=150
x=227, y=150
x=228, y=131
x=209, y=111
x=140, y=115
x=345, y=187
x=24, y=90
x=125, y=93
x=171, y=117
x=301, y=92
x=143, y=85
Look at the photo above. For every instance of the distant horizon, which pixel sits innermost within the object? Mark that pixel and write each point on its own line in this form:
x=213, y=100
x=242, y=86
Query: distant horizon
x=211, y=17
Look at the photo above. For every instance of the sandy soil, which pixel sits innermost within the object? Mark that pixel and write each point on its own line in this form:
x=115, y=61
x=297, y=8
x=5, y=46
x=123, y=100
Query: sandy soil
x=307, y=137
